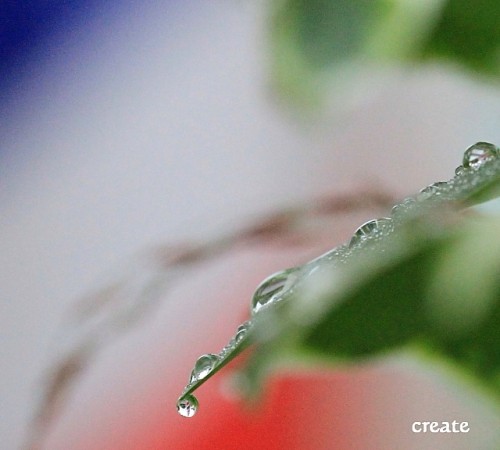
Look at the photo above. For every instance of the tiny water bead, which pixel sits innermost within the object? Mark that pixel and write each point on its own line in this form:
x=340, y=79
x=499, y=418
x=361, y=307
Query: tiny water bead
x=476, y=155
x=403, y=207
x=187, y=406
x=241, y=332
x=333, y=257
x=432, y=189
x=272, y=286
x=368, y=229
x=203, y=366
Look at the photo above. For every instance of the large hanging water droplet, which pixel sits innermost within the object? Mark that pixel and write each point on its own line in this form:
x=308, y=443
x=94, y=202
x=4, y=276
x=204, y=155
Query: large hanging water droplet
x=187, y=406
x=369, y=228
x=477, y=154
x=203, y=366
x=272, y=286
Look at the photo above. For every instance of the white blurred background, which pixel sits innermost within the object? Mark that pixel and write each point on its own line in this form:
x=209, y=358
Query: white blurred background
x=154, y=123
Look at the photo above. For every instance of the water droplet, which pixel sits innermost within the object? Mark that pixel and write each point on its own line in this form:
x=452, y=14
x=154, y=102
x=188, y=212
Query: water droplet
x=431, y=190
x=272, y=286
x=427, y=192
x=403, y=206
x=203, y=366
x=477, y=154
x=369, y=228
x=226, y=349
x=459, y=170
x=241, y=332
x=236, y=339
x=187, y=406
x=335, y=255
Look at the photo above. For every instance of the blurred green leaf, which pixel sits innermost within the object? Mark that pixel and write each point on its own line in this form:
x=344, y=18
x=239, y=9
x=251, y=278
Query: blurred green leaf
x=467, y=33
x=319, y=45
x=309, y=36
x=326, y=31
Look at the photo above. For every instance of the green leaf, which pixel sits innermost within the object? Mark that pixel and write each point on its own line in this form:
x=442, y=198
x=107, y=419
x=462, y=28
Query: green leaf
x=441, y=293
x=432, y=286
x=384, y=309
x=488, y=190
x=428, y=278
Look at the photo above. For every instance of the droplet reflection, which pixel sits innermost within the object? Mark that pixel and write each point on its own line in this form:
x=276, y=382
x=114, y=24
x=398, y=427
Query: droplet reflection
x=187, y=406
x=476, y=155
x=369, y=228
x=271, y=287
x=203, y=366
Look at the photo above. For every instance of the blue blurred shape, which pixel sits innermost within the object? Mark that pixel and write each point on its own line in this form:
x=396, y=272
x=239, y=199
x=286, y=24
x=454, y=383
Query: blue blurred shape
x=26, y=25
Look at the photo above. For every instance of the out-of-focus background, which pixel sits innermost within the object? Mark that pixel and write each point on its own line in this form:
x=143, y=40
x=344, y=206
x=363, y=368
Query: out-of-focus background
x=129, y=125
